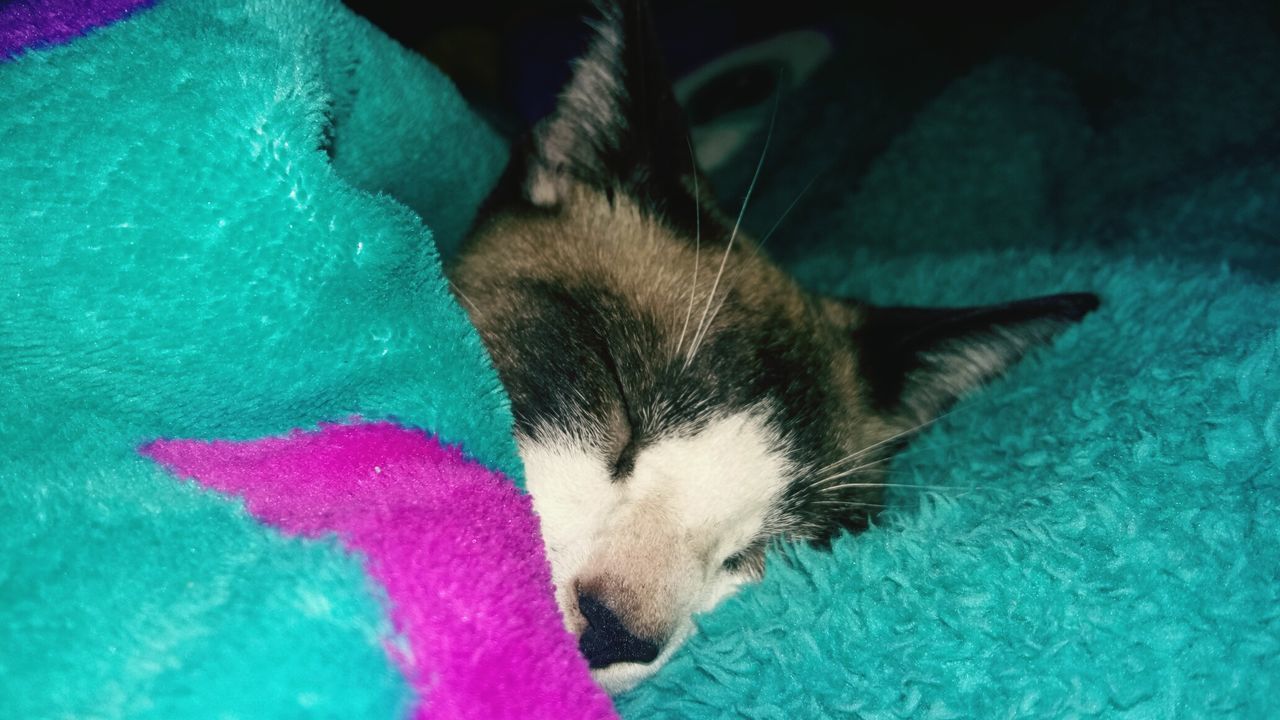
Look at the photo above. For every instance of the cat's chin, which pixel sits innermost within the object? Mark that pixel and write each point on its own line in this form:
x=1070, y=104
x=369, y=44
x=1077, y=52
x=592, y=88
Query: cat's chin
x=621, y=677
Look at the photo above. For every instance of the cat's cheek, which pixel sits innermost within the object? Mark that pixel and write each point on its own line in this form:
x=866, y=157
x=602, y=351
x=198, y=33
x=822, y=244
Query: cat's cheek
x=572, y=496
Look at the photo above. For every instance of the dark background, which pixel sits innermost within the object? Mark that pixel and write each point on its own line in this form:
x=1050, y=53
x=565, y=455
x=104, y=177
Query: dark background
x=1147, y=95
x=509, y=57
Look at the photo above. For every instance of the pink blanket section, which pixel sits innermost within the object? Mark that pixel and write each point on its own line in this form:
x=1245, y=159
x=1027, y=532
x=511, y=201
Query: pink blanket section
x=455, y=545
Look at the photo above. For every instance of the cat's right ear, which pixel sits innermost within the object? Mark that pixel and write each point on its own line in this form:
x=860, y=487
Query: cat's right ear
x=616, y=127
x=916, y=362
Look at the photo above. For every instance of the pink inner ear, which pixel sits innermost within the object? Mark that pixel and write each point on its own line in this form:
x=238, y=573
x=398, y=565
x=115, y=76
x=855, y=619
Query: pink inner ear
x=455, y=545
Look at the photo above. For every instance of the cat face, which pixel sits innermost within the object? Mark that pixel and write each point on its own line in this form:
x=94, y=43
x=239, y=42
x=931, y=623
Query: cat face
x=679, y=401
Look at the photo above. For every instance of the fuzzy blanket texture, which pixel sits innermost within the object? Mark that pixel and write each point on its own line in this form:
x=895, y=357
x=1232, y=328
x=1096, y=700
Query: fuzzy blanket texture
x=211, y=228
x=444, y=537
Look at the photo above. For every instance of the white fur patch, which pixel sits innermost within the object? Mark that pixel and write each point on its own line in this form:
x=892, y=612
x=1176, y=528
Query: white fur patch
x=573, y=496
x=658, y=538
x=720, y=483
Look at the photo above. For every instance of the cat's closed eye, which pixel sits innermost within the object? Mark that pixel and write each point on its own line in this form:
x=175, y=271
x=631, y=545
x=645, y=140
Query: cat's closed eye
x=749, y=559
x=621, y=446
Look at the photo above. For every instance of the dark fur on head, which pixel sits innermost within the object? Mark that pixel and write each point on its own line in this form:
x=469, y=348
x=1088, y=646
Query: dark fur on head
x=626, y=313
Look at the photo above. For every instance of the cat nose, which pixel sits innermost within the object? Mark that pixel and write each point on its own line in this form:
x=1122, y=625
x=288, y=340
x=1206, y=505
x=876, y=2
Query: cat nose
x=606, y=640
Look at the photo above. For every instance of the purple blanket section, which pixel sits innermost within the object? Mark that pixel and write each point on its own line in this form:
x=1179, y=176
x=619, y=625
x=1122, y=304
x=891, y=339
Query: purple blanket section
x=454, y=544
x=26, y=24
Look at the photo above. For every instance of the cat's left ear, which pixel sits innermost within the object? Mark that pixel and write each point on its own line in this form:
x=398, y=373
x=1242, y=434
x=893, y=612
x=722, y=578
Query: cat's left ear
x=915, y=362
x=617, y=124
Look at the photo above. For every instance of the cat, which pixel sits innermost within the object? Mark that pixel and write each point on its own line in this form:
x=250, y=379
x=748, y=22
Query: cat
x=680, y=402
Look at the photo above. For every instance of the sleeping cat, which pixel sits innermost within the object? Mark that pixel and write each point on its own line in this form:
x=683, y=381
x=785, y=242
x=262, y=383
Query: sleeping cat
x=679, y=401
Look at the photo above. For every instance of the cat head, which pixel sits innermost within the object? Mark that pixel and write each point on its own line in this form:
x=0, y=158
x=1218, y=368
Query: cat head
x=681, y=402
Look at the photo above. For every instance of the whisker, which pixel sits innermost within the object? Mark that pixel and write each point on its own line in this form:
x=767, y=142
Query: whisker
x=848, y=504
x=908, y=486
x=462, y=295
x=908, y=456
x=929, y=451
x=786, y=212
x=881, y=443
x=704, y=324
x=719, y=305
x=850, y=471
x=759, y=247
x=697, y=244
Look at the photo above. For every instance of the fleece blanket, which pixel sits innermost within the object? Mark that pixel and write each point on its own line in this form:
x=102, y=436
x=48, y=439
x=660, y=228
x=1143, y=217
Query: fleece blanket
x=1098, y=534
x=234, y=386
x=253, y=460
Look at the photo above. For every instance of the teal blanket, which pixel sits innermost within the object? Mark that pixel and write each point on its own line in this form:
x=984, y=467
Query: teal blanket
x=211, y=226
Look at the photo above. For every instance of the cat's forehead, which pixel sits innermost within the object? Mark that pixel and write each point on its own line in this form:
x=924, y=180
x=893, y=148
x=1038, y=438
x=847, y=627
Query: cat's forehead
x=602, y=307
x=611, y=239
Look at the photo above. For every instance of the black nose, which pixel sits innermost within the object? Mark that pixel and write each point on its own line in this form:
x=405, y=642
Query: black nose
x=606, y=640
